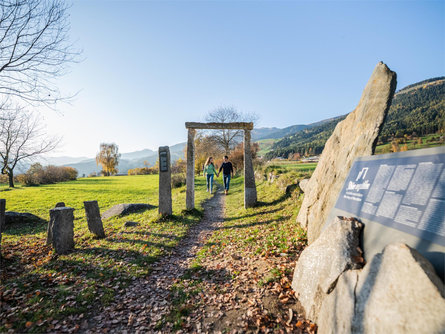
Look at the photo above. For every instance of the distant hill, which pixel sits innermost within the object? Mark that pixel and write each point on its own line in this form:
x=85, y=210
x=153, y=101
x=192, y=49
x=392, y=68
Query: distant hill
x=417, y=109
x=127, y=161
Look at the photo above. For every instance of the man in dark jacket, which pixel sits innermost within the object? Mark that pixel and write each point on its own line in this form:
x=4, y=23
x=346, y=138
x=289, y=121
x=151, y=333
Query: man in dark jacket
x=227, y=169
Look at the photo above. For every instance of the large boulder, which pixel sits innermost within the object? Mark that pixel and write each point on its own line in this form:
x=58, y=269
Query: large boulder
x=125, y=209
x=321, y=264
x=397, y=292
x=353, y=137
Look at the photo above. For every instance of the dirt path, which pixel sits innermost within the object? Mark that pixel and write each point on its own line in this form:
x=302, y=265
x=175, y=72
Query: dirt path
x=146, y=301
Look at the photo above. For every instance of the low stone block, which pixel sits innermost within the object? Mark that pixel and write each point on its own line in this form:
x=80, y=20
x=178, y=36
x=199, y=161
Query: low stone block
x=60, y=204
x=94, y=221
x=125, y=209
x=321, y=263
x=303, y=185
x=62, y=229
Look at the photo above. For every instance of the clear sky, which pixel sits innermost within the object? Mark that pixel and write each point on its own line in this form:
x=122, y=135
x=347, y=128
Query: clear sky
x=150, y=66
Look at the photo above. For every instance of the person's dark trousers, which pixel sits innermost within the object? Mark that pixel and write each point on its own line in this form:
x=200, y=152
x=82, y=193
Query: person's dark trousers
x=226, y=178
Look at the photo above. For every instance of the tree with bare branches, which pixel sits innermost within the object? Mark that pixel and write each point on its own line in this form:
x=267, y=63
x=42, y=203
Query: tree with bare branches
x=22, y=137
x=228, y=139
x=34, y=49
x=108, y=157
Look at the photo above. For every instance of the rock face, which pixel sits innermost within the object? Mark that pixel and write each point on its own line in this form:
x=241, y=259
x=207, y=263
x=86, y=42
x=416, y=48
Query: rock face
x=303, y=185
x=62, y=229
x=125, y=209
x=353, y=137
x=320, y=264
x=93, y=218
x=397, y=292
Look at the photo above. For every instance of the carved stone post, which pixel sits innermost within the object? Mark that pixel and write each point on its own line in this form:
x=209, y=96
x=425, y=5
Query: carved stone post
x=165, y=181
x=62, y=229
x=250, y=195
x=190, y=181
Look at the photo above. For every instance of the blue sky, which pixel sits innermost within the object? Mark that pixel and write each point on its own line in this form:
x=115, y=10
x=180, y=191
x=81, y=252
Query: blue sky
x=150, y=66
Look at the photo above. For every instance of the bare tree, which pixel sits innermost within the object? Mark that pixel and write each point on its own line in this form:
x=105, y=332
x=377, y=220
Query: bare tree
x=22, y=137
x=34, y=49
x=228, y=139
x=108, y=157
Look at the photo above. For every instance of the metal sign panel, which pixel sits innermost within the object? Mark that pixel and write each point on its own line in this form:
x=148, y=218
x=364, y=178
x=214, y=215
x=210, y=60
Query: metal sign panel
x=401, y=198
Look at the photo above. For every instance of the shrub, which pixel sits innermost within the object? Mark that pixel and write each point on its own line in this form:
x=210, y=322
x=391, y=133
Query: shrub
x=178, y=180
x=37, y=174
x=143, y=171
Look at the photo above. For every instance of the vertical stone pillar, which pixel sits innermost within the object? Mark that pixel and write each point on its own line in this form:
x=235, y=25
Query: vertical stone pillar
x=165, y=181
x=94, y=221
x=250, y=195
x=190, y=181
x=2, y=218
x=62, y=229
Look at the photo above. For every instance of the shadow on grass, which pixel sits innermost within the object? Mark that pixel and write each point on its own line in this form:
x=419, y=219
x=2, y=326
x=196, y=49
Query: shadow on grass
x=279, y=200
x=130, y=256
x=26, y=228
x=267, y=222
x=142, y=242
x=150, y=234
x=252, y=215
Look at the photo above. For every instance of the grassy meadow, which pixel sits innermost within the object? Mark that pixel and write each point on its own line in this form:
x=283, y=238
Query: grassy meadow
x=40, y=288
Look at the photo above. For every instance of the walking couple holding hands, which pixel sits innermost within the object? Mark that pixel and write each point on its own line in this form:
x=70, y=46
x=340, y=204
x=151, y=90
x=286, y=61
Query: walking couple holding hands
x=210, y=172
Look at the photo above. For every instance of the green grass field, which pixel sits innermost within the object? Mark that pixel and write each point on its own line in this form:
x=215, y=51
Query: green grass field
x=39, y=288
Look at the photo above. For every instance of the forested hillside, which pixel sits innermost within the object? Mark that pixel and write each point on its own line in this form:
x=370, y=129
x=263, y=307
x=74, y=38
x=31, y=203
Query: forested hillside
x=416, y=110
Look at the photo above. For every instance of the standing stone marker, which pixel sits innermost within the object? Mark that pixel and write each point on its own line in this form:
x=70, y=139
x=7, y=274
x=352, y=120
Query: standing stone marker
x=190, y=183
x=353, y=137
x=165, y=181
x=2, y=217
x=401, y=198
x=93, y=218
x=60, y=204
x=62, y=229
x=250, y=194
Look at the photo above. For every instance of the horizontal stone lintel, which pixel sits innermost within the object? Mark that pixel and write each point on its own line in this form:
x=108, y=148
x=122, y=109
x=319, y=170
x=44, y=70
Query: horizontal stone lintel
x=218, y=126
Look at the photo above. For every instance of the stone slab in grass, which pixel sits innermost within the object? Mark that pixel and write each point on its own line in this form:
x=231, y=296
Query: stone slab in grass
x=126, y=209
x=12, y=217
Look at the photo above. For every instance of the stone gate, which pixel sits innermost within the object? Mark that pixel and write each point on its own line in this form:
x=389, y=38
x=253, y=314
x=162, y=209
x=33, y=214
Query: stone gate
x=250, y=194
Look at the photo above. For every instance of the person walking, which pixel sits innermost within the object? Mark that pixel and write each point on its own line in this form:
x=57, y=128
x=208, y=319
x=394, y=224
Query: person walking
x=227, y=169
x=209, y=172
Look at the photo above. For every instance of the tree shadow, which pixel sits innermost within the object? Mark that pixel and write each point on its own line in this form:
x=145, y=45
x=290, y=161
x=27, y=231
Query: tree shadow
x=267, y=222
x=142, y=242
x=161, y=235
x=280, y=199
x=252, y=215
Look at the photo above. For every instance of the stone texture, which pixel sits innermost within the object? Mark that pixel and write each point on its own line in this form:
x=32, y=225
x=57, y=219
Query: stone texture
x=321, y=263
x=62, y=229
x=2, y=218
x=165, y=184
x=190, y=177
x=399, y=292
x=125, y=209
x=353, y=137
x=12, y=217
x=94, y=221
x=60, y=205
x=303, y=185
x=250, y=194
x=337, y=311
